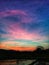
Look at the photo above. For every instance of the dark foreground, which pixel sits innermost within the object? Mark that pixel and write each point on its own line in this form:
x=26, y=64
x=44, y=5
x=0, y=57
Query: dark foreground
x=22, y=62
x=37, y=57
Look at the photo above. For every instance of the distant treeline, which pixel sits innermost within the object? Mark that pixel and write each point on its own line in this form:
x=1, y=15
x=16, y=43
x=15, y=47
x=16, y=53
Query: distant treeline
x=37, y=54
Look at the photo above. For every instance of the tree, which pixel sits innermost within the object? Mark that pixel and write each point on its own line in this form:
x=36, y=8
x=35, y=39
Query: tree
x=40, y=48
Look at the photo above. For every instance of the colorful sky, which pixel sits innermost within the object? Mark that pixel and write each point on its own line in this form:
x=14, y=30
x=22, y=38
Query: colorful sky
x=24, y=24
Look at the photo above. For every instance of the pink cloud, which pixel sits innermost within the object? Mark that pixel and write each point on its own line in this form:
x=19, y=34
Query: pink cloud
x=25, y=17
x=12, y=12
x=22, y=34
x=14, y=30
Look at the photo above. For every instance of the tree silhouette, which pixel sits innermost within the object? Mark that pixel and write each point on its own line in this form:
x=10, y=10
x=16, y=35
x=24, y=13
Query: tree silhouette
x=38, y=52
x=40, y=48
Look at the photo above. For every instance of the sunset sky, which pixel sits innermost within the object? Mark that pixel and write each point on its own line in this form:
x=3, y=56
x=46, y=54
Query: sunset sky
x=24, y=24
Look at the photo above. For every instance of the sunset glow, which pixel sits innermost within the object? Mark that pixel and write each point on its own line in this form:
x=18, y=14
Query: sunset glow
x=24, y=26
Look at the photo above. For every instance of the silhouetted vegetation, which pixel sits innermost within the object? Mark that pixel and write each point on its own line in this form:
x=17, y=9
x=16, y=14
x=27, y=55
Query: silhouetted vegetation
x=41, y=55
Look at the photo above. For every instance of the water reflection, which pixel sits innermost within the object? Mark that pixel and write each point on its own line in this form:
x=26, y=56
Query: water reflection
x=21, y=62
x=15, y=62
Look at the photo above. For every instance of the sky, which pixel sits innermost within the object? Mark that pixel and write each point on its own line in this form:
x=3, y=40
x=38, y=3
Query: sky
x=24, y=24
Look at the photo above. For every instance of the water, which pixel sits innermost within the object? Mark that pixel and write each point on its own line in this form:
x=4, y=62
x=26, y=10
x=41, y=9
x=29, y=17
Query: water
x=20, y=62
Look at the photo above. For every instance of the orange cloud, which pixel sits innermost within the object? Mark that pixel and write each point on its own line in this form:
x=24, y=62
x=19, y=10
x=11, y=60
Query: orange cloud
x=18, y=48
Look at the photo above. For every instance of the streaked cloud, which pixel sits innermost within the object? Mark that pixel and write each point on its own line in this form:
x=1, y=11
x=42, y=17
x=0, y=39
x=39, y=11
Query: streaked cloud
x=24, y=23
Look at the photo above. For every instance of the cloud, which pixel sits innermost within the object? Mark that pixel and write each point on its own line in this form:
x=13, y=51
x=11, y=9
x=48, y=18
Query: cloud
x=17, y=30
x=16, y=15
x=24, y=20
